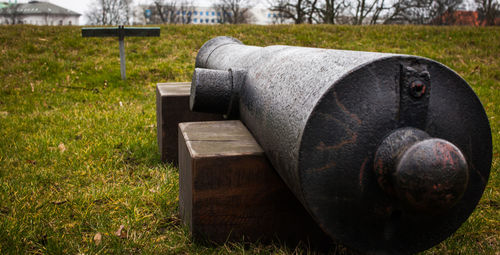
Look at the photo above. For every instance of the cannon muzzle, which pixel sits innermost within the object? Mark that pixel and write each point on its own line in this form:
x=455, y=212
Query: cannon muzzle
x=389, y=153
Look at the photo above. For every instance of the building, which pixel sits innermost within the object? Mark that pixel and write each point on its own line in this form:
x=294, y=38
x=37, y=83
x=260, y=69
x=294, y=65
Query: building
x=458, y=18
x=38, y=13
x=462, y=18
x=199, y=15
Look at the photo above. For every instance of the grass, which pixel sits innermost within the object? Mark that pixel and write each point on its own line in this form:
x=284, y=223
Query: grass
x=78, y=153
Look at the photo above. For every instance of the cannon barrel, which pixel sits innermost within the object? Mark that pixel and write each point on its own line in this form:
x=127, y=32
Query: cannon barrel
x=389, y=153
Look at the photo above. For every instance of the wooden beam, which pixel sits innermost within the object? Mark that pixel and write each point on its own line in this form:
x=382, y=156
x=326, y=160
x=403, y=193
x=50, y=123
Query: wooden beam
x=230, y=192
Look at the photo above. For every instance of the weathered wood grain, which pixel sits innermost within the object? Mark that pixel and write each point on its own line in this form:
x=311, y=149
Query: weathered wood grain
x=229, y=191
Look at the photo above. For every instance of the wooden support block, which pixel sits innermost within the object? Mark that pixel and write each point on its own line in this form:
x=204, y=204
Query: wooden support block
x=229, y=191
x=172, y=107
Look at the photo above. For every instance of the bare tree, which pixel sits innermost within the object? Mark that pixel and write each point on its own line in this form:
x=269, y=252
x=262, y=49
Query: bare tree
x=313, y=12
x=234, y=11
x=436, y=12
x=331, y=9
x=225, y=13
x=185, y=13
x=488, y=11
x=380, y=8
x=170, y=12
x=361, y=9
x=110, y=12
x=300, y=11
x=409, y=12
x=281, y=9
x=165, y=11
x=442, y=11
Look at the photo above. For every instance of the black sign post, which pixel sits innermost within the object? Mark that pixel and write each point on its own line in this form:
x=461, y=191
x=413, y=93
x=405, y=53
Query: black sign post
x=121, y=32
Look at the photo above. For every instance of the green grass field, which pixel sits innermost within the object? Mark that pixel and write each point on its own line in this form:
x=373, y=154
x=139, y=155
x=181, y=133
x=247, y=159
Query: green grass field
x=78, y=152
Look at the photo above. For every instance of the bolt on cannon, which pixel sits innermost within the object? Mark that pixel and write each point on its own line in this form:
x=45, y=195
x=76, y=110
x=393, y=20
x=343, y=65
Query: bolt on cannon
x=389, y=153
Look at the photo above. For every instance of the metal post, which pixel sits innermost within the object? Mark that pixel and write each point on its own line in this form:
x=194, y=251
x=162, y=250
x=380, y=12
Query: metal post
x=121, y=39
x=122, y=59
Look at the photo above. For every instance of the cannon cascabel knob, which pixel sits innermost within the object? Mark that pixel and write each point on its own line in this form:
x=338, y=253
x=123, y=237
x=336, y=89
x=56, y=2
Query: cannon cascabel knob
x=425, y=174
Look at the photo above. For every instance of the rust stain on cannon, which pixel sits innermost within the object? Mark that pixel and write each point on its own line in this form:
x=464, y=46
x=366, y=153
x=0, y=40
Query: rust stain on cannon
x=362, y=172
x=344, y=109
x=352, y=135
x=328, y=166
x=323, y=147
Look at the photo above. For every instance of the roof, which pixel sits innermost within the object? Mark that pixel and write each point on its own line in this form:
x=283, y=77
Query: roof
x=37, y=8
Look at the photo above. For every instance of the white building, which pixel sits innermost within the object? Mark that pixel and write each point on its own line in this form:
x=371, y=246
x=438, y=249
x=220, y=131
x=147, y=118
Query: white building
x=200, y=15
x=38, y=13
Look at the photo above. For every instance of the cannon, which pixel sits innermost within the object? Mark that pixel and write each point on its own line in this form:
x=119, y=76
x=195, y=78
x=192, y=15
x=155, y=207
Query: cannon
x=389, y=153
